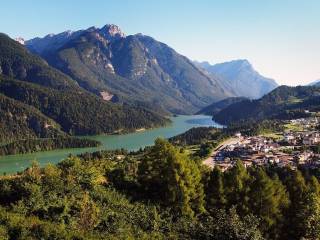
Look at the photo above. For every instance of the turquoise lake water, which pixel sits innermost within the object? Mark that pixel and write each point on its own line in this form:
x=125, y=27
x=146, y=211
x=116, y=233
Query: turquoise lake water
x=132, y=141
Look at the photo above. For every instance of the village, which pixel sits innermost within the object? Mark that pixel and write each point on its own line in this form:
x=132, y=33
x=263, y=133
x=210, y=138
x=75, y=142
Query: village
x=298, y=144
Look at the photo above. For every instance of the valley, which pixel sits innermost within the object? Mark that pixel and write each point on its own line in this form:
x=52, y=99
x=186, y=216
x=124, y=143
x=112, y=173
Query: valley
x=173, y=133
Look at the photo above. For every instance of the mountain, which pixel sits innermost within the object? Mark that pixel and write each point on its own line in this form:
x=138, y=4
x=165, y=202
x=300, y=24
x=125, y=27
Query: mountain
x=282, y=103
x=315, y=83
x=220, y=105
x=132, y=69
x=58, y=100
x=241, y=78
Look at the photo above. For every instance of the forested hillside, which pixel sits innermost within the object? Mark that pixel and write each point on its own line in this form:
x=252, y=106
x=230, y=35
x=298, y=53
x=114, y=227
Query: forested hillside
x=80, y=113
x=282, y=103
x=20, y=121
x=158, y=193
x=17, y=62
x=220, y=105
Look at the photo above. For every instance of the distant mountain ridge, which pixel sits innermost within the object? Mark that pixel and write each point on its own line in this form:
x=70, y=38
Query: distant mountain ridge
x=239, y=77
x=134, y=69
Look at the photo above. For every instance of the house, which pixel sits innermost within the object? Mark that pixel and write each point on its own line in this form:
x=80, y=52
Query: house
x=302, y=158
x=289, y=137
x=238, y=134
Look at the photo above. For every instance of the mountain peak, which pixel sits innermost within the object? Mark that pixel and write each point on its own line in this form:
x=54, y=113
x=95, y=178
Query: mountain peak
x=240, y=63
x=20, y=40
x=242, y=78
x=111, y=31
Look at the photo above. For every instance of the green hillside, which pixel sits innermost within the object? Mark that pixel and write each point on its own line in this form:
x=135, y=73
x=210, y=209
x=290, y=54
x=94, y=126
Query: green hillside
x=20, y=121
x=80, y=113
x=282, y=103
x=17, y=62
x=218, y=106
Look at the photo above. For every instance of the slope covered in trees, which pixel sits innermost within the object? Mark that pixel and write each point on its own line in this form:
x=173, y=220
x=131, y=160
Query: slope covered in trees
x=79, y=112
x=20, y=121
x=45, y=144
x=220, y=105
x=17, y=62
x=158, y=193
x=282, y=103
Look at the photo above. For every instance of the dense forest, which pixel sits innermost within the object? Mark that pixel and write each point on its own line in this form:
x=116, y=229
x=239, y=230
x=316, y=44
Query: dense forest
x=157, y=193
x=80, y=113
x=45, y=144
x=20, y=121
x=218, y=106
x=201, y=135
x=282, y=103
x=17, y=62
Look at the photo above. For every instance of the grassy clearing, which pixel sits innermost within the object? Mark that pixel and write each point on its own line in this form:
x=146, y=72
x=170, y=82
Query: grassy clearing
x=273, y=135
x=293, y=127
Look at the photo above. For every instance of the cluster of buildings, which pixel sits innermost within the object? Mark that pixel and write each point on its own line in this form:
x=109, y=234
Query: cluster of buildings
x=302, y=138
x=292, y=149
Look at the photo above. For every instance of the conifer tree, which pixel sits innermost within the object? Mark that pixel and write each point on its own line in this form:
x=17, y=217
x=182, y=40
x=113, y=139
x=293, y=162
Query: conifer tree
x=172, y=177
x=237, y=188
x=215, y=194
x=268, y=199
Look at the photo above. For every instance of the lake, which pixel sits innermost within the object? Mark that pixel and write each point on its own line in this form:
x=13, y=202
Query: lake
x=131, y=141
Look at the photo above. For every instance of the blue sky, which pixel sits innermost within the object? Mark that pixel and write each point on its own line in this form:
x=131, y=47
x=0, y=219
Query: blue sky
x=281, y=38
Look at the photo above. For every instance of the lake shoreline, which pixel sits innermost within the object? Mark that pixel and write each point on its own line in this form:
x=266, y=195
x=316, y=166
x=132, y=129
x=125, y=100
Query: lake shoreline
x=129, y=141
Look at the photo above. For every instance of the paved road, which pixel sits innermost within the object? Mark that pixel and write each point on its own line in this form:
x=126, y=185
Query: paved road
x=209, y=161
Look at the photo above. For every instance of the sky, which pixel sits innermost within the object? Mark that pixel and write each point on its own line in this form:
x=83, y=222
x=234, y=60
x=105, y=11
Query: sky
x=281, y=38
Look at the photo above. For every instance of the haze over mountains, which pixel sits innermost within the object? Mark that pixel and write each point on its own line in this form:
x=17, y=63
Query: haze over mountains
x=241, y=78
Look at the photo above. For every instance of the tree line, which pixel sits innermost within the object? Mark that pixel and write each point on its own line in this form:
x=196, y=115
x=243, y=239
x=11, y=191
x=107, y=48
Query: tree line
x=45, y=144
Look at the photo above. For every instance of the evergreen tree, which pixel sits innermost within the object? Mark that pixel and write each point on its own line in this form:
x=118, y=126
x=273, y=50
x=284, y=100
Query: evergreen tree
x=309, y=213
x=215, y=194
x=237, y=188
x=268, y=198
x=297, y=188
x=172, y=177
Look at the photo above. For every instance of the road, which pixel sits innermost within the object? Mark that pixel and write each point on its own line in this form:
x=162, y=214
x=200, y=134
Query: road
x=209, y=161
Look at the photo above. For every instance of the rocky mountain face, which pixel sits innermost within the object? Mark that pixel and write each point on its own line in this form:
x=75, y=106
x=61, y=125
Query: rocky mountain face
x=240, y=77
x=132, y=69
